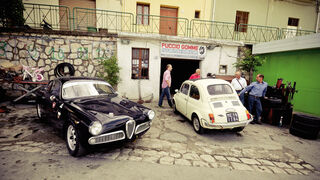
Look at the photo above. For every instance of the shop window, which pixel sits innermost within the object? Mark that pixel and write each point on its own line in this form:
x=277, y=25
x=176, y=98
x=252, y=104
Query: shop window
x=293, y=22
x=143, y=12
x=223, y=69
x=140, y=63
x=194, y=92
x=197, y=14
x=241, y=18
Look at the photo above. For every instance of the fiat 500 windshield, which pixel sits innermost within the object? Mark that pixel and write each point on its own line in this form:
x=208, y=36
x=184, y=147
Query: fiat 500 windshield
x=78, y=89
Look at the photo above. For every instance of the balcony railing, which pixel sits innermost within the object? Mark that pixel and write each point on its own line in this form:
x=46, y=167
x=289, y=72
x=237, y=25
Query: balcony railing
x=57, y=16
x=289, y=33
x=84, y=19
x=212, y=29
x=253, y=33
x=94, y=19
x=153, y=24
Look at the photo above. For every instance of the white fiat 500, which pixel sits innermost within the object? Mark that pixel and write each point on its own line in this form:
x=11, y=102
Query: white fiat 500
x=211, y=104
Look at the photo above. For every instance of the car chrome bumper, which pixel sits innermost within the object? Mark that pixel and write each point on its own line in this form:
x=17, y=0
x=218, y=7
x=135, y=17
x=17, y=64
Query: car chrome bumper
x=119, y=135
x=229, y=125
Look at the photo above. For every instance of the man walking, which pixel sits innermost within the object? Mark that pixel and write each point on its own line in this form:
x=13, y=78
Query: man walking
x=166, y=84
x=239, y=84
x=195, y=75
x=257, y=90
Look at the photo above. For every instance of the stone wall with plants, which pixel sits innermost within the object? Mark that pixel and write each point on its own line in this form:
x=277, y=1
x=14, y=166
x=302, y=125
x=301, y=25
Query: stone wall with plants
x=85, y=52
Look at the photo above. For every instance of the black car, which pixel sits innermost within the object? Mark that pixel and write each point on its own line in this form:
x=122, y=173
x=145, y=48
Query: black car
x=90, y=112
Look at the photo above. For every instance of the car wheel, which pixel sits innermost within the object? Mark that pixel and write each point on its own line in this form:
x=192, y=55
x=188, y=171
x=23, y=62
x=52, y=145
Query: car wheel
x=73, y=141
x=39, y=111
x=196, y=125
x=174, y=107
x=237, y=129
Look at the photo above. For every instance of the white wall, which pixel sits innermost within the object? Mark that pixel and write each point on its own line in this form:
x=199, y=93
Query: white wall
x=223, y=55
x=128, y=86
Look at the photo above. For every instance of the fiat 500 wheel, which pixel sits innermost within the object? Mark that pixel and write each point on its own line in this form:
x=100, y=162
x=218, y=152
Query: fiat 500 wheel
x=73, y=142
x=196, y=125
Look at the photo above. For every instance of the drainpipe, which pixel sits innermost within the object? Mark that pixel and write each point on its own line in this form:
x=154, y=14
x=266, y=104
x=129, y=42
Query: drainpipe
x=267, y=17
x=213, y=7
x=318, y=15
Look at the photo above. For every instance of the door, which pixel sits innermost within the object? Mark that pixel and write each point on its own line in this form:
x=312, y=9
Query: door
x=168, y=25
x=181, y=98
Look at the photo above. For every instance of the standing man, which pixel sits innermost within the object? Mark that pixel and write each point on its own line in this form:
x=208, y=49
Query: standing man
x=258, y=90
x=239, y=84
x=166, y=84
x=195, y=75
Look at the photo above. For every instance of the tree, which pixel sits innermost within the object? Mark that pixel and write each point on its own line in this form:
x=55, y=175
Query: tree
x=248, y=62
x=11, y=13
x=111, y=71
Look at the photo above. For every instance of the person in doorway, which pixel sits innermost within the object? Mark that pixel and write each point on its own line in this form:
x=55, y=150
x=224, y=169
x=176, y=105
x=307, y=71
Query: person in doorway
x=257, y=90
x=239, y=84
x=196, y=75
x=165, y=86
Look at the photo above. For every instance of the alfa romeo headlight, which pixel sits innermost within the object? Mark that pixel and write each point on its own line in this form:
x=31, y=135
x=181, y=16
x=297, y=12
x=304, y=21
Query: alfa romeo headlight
x=151, y=114
x=95, y=128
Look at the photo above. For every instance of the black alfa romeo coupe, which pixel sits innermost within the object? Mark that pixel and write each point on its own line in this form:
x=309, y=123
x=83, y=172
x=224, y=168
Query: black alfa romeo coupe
x=90, y=112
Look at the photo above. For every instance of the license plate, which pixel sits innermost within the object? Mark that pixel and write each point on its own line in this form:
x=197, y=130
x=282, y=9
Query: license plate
x=232, y=117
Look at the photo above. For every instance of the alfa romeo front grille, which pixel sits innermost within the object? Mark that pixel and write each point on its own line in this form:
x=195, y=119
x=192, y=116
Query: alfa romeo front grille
x=130, y=127
x=142, y=127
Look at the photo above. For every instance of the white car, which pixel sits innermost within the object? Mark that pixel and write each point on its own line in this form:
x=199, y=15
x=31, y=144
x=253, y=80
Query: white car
x=211, y=104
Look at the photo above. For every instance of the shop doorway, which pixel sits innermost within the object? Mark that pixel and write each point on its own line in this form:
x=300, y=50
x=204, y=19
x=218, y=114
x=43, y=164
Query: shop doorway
x=182, y=70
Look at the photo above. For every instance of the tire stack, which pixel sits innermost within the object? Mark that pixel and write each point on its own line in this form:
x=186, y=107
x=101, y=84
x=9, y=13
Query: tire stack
x=305, y=126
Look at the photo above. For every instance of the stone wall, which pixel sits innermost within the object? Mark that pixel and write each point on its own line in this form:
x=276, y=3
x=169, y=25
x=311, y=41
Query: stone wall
x=47, y=50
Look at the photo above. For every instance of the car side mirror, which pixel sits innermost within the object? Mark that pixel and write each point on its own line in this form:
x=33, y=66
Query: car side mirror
x=53, y=98
x=176, y=90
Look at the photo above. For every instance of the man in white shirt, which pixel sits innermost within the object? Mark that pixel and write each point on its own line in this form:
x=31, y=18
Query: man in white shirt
x=239, y=83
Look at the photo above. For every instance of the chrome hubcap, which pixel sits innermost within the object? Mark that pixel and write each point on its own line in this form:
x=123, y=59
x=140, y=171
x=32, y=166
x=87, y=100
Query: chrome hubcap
x=71, y=138
x=196, y=124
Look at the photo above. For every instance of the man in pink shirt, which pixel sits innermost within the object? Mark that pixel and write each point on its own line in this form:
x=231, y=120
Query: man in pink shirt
x=165, y=86
x=196, y=75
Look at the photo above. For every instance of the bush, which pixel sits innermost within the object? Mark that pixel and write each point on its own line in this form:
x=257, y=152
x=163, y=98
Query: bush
x=111, y=71
x=11, y=13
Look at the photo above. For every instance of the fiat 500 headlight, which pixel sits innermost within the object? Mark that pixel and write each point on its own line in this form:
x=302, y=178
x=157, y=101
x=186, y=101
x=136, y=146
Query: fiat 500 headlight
x=95, y=128
x=151, y=114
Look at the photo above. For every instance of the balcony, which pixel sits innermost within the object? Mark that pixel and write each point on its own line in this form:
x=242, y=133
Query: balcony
x=84, y=19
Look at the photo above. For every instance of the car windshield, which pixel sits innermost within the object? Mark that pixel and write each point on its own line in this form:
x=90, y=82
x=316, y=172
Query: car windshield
x=85, y=88
x=219, y=89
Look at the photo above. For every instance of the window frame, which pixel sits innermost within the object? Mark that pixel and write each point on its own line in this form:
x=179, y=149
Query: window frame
x=194, y=86
x=142, y=15
x=140, y=59
x=182, y=88
x=292, y=19
x=241, y=19
x=197, y=12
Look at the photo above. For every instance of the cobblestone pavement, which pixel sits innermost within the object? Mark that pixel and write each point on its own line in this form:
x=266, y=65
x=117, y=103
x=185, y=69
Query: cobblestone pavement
x=172, y=141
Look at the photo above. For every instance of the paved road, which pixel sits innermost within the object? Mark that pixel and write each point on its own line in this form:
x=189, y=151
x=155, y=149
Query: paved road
x=171, y=142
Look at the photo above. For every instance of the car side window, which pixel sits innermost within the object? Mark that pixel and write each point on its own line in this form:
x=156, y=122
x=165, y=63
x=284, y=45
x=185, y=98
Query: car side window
x=194, y=92
x=184, y=89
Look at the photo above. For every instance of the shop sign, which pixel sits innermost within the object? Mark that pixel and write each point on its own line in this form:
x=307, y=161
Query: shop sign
x=182, y=51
